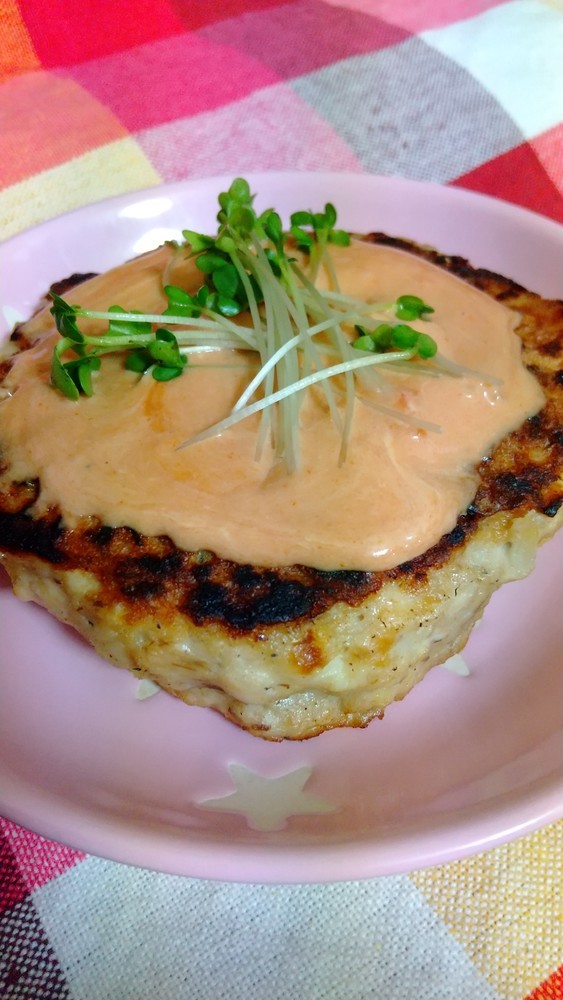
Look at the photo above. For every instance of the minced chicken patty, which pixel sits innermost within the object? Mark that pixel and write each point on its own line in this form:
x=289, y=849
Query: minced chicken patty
x=288, y=652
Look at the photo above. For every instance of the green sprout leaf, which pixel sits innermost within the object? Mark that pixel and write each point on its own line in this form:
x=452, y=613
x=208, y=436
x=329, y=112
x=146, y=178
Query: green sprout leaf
x=339, y=237
x=165, y=349
x=84, y=370
x=197, y=241
x=273, y=228
x=242, y=218
x=162, y=373
x=65, y=318
x=240, y=190
x=227, y=307
x=329, y=215
x=303, y=239
x=364, y=343
x=226, y=280
x=426, y=346
x=181, y=303
x=126, y=328
x=210, y=260
x=301, y=219
x=61, y=378
x=411, y=307
x=382, y=336
x=162, y=356
x=399, y=337
x=404, y=337
x=73, y=377
x=226, y=244
x=138, y=361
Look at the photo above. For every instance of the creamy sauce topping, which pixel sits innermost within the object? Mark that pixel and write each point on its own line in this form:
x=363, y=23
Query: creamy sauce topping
x=116, y=455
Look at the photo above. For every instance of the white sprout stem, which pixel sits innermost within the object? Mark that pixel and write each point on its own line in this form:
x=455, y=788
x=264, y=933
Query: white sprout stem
x=266, y=423
x=405, y=418
x=193, y=327
x=346, y=317
x=270, y=419
x=295, y=304
x=313, y=360
x=350, y=387
x=241, y=366
x=361, y=305
x=392, y=411
x=419, y=367
x=265, y=340
x=285, y=312
x=316, y=303
x=268, y=367
x=317, y=256
x=280, y=312
x=261, y=266
x=300, y=339
x=312, y=355
x=180, y=251
x=287, y=374
x=326, y=259
x=450, y=367
x=343, y=347
x=252, y=303
x=159, y=318
x=371, y=379
x=208, y=349
x=299, y=386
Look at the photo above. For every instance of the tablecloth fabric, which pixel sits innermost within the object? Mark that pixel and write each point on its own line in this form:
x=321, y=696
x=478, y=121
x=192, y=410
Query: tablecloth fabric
x=102, y=98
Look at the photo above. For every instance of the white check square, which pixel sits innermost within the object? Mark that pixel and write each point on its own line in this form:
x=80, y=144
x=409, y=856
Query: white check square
x=515, y=51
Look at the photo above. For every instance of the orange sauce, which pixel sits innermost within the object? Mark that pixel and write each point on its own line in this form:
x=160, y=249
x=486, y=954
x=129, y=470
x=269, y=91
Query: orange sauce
x=116, y=455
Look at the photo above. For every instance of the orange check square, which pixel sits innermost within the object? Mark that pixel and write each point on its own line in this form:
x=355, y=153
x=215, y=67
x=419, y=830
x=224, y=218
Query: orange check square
x=17, y=53
x=45, y=121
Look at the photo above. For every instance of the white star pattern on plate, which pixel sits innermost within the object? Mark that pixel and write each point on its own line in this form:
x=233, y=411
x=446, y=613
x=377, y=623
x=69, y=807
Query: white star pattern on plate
x=458, y=665
x=267, y=803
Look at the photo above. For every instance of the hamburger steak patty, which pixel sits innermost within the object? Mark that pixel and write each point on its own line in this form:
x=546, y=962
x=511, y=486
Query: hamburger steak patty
x=288, y=652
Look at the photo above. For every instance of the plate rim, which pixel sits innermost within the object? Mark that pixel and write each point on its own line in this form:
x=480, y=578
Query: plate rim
x=255, y=177
x=263, y=865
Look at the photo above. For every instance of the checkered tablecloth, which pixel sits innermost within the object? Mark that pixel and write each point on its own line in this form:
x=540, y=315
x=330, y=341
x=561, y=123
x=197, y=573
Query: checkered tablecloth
x=99, y=98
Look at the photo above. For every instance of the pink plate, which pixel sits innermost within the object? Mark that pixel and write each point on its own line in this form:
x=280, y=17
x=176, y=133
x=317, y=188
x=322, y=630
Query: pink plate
x=463, y=764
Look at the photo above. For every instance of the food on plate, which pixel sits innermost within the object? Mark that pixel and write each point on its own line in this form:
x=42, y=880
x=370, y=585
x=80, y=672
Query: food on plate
x=280, y=473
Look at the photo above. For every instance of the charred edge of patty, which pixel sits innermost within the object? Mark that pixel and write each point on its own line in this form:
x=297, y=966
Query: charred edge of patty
x=151, y=575
x=60, y=287
x=18, y=339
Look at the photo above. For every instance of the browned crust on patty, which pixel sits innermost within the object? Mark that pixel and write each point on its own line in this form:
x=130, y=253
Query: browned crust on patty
x=152, y=575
